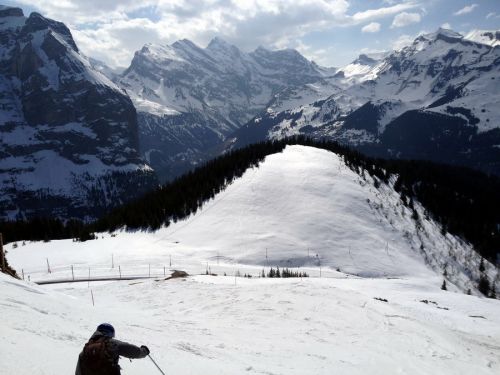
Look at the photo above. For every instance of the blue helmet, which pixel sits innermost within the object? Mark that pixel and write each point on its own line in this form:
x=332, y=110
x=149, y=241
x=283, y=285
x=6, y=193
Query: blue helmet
x=106, y=329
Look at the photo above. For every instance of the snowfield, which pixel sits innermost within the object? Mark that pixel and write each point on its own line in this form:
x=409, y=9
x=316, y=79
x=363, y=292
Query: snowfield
x=372, y=305
x=209, y=325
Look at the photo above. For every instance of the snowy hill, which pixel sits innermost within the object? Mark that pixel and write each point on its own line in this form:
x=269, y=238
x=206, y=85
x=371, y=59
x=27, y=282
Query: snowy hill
x=436, y=99
x=69, y=135
x=298, y=204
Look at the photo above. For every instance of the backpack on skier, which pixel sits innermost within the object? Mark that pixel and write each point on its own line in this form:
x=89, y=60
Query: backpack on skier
x=97, y=359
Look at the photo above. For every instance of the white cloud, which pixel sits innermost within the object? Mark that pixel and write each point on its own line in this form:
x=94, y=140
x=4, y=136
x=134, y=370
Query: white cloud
x=466, y=9
x=446, y=25
x=405, y=19
x=372, y=14
x=112, y=30
x=492, y=15
x=373, y=27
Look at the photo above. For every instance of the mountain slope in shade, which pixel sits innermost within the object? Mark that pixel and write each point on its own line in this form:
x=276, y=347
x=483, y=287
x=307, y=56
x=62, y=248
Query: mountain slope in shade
x=442, y=78
x=69, y=143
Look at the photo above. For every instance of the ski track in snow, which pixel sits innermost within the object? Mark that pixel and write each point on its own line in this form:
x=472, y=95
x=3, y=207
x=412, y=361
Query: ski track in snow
x=299, y=201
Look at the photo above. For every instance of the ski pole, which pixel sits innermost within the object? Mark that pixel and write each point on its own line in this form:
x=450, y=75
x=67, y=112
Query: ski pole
x=158, y=367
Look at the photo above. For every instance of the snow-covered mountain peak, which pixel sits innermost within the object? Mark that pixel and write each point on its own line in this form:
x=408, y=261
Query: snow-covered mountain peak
x=444, y=34
x=441, y=35
x=188, y=47
x=287, y=54
x=361, y=69
x=219, y=43
x=37, y=22
x=365, y=60
x=227, y=53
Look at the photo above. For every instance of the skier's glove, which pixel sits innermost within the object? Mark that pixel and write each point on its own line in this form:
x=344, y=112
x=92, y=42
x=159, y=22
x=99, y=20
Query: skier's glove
x=145, y=349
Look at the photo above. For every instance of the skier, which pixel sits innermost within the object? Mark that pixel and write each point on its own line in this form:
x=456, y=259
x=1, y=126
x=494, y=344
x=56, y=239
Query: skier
x=101, y=353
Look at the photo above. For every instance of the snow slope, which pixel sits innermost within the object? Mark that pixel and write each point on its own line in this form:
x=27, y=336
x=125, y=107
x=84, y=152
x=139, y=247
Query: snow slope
x=489, y=37
x=260, y=326
x=303, y=207
x=301, y=199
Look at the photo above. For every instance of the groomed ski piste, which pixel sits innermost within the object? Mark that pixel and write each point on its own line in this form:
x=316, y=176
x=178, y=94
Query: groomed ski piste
x=372, y=303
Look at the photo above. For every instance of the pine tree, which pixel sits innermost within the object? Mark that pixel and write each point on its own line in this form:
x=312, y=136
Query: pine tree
x=443, y=286
x=481, y=265
x=493, y=293
x=484, y=285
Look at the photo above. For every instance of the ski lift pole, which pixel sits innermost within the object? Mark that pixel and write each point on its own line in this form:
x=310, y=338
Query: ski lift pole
x=158, y=367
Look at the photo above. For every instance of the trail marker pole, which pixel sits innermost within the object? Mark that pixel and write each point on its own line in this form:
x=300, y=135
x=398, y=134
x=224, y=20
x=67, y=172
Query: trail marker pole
x=88, y=286
x=48, y=266
x=112, y=261
x=120, y=270
x=170, y=260
x=92, y=294
x=72, y=273
x=319, y=262
x=22, y=271
x=164, y=272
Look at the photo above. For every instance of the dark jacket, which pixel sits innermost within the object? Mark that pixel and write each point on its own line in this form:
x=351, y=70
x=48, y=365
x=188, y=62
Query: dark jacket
x=117, y=348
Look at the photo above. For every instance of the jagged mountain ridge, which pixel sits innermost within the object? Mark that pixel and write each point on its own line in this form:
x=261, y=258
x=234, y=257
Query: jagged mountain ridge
x=489, y=37
x=435, y=99
x=69, y=144
x=190, y=98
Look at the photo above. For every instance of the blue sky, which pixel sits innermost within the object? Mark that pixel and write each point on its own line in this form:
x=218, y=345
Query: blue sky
x=331, y=32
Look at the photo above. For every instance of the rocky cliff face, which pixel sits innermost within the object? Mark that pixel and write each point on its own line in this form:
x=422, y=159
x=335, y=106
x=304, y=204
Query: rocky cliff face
x=69, y=137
